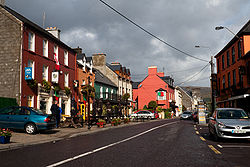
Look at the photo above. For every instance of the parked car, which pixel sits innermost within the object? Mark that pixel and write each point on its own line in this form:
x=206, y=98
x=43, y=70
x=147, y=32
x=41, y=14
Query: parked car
x=156, y=114
x=229, y=123
x=186, y=115
x=143, y=114
x=26, y=118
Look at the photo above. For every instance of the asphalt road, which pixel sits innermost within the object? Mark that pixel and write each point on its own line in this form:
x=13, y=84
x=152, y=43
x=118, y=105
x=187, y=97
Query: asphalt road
x=155, y=143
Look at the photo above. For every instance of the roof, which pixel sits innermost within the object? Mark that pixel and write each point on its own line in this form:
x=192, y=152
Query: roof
x=135, y=85
x=101, y=78
x=80, y=56
x=88, y=59
x=244, y=31
x=36, y=27
x=116, y=67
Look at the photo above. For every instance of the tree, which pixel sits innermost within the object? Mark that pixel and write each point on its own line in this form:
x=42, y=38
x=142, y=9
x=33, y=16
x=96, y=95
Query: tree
x=152, y=105
x=145, y=107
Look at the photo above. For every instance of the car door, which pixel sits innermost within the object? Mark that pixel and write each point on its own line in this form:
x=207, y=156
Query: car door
x=19, y=117
x=5, y=117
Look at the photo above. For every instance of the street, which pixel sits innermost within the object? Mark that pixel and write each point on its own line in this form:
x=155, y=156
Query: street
x=168, y=142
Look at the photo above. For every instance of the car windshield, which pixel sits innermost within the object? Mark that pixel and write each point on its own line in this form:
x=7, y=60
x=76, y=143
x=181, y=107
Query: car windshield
x=187, y=113
x=232, y=114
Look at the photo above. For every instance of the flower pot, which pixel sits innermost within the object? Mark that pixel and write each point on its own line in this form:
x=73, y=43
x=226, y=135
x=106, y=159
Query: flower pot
x=4, y=139
x=101, y=126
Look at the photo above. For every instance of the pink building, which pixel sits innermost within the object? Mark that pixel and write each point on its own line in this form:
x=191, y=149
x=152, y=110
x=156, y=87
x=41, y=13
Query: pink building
x=155, y=87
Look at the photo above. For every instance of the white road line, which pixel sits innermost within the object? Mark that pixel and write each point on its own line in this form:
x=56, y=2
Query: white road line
x=220, y=146
x=234, y=146
x=104, y=147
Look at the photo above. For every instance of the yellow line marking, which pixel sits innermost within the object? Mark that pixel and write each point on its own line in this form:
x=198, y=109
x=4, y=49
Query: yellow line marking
x=202, y=138
x=214, y=149
x=195, y=128
x=197, y=132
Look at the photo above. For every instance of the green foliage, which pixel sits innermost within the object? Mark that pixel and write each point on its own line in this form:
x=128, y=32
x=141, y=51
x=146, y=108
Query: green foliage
x=126, y=120
x=67, y=91
x=125, y=97
x=184, y=108
x=5, y=132
x=5, y=102
x=145, y=107
x=46, y=85
x=159, y=109
x=167, y=114
x=152, y=105
x=104, y=110
x=88, y=90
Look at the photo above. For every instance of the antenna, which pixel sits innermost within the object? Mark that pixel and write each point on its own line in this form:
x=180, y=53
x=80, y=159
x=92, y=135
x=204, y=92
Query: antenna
x=43, y=19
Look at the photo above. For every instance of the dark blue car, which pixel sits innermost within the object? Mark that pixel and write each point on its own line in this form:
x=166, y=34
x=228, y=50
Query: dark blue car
x=29, y=119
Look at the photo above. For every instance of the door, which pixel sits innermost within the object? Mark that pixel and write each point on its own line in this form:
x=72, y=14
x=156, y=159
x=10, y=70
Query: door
x=5, y=115
x=19, y=117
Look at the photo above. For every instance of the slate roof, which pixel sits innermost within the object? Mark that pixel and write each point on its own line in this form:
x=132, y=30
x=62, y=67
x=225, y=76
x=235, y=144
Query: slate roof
x=116, y=67
x=135, y=85
x=80, y=56
x=101, y=78
x=36, y=27
x=89, y=59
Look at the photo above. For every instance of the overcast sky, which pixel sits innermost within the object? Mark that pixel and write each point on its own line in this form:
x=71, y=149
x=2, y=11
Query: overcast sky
x=183, y=24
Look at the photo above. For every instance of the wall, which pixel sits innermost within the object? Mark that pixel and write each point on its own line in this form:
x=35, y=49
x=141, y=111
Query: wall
x=10, y=55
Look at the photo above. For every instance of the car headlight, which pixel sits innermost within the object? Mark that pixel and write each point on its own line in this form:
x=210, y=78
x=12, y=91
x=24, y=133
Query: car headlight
x=221, y=125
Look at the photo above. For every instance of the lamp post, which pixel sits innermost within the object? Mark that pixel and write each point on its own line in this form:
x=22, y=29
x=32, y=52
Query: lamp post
x=212, y=78
x=223, y=27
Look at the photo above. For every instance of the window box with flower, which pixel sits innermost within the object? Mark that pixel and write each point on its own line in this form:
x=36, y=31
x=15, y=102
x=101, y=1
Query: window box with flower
x=101, y=123
x=5, y=135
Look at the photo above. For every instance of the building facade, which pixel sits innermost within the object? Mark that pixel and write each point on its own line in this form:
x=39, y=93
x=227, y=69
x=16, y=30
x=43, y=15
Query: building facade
x=40, y=67
x=233, y=71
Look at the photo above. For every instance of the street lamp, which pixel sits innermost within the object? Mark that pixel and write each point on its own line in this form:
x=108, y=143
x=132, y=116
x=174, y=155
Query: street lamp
x=212, y=76
x=223, y=27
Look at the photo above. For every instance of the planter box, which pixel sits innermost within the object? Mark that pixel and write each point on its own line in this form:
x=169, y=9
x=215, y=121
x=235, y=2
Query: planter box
x=4, y=139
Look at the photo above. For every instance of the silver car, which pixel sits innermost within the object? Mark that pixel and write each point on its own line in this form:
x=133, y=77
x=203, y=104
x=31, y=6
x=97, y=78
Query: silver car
x=229, y=123
x=143, y=114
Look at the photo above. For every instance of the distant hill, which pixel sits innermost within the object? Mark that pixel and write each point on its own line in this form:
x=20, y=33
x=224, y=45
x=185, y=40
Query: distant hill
x=203, y=92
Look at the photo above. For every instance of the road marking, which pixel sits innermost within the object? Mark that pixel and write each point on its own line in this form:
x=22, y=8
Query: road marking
x=197, y=132
x=202, y=138
x=105, y=147
x=195, y=128
x=220, y=146
x=234, y=146
x=214, y=149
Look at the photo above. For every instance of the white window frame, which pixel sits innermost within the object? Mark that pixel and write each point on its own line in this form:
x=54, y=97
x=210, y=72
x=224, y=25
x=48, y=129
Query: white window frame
x=31, y=63
x=66, y=58
x=107, y=93
x=45, y=73
x=31, y=41
x=83, y=82
x=30, y=101
x=66, y=80
x=45, y=48
x=112, y=92
x=101, y=91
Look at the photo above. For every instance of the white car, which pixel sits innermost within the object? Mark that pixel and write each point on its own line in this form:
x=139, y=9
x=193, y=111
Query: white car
x=143, y=114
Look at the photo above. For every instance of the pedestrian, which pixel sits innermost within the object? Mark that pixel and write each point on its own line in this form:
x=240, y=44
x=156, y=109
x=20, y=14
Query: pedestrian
x=56, y=112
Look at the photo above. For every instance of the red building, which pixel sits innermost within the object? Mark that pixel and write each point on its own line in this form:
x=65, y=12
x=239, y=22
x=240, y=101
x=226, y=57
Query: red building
x=156, y=87
x=233, y=71
x=44, y=67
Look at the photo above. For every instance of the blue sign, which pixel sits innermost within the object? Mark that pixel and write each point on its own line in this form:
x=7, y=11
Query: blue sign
x=28, y=73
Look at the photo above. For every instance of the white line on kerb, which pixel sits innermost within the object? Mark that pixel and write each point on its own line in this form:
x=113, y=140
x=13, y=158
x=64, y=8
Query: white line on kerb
x=104, y=147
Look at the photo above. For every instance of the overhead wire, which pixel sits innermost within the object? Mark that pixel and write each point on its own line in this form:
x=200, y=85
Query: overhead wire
x=151, y=34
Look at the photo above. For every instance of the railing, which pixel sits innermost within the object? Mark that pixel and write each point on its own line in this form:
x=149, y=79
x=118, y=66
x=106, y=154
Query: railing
x=107, y=96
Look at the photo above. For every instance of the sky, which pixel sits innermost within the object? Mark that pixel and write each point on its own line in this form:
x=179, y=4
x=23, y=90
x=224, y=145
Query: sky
x=182, y=24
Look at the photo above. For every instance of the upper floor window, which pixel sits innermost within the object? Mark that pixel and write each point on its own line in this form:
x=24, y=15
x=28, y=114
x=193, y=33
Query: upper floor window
x=56, y=50
x=239, y=49
x=223, y=82
x=83, y=82
x=218, y=65
x=66, y=58
x=223, y=62
x=233, y=55
x=32, y=64
x=101, y=92
x=107, y=93
x=45, y=48
x=31, y=42
x=234, y=77
x=229, y=79
x=45, y=72
x=228, y=63
x=66, y=80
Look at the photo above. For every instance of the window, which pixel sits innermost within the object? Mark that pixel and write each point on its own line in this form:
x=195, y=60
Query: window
x=101, y=91
x=45, y=48
x=31, y=42
x=30, y=101
x=223, y=82
x=83, y=82
x=218, y=65
x=66, y=58
x=229, y=79
x=228, y=63
x=234, y=77
x=218, y=91
x=112, y=91
x=223, y=62
x=239, y=49
x=107, y=93
x=233, y=55
x=66, y=80
x=45, y=73
x=32, y=64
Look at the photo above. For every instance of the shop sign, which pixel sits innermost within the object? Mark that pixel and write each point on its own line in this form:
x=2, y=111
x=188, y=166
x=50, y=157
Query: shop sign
x=28, y=73
x=55, y=77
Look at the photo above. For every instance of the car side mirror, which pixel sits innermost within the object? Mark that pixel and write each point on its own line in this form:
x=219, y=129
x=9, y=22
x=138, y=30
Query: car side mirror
x=212, y=118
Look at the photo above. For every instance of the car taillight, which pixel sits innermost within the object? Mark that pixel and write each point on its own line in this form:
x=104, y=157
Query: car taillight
x=47, y=119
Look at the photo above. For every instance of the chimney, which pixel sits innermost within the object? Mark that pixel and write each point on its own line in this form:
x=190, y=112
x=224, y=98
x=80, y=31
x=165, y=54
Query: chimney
x=2, y=2
x=78, y=50
x=152, y=70
x=54, y=31
x=99, y=59
x=160, y=74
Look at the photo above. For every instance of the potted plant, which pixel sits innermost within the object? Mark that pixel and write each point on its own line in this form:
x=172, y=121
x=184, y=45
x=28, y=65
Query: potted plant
x=5, y=135
x=114, y=122
x=46, y=85
x=101, y=123
x=126, y=120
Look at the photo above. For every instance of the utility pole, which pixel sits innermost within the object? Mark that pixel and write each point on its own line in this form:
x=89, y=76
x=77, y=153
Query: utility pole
x=213, y=80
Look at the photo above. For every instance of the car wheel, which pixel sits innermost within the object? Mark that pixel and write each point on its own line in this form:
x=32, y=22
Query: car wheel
x=30, y=128
x=149, y=117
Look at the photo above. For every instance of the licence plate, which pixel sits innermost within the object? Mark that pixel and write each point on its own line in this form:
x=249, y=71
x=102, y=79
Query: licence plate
x=239, y=131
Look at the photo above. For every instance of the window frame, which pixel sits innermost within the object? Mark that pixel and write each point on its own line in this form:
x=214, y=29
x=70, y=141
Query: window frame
x=45, y=48
x=66, y=79
x=66, y=58
x=233, y=55
x=31, y=41
x=31, y=64
x=45, y=73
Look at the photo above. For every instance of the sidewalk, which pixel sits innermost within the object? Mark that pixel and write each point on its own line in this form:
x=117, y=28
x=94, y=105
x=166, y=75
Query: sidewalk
x=21, y=139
